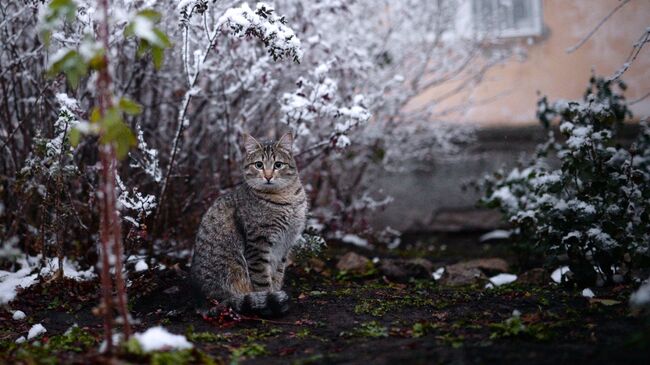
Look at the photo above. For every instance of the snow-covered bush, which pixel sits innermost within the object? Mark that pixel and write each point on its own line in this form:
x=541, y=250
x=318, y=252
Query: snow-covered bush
x=349, y=100
x=593, y=212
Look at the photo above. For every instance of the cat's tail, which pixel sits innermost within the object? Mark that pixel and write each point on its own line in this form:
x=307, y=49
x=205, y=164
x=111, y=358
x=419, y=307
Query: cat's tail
x=266, y=304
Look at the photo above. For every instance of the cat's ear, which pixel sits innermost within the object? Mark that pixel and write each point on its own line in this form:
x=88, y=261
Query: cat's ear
x=251, y=143
x=286, y=142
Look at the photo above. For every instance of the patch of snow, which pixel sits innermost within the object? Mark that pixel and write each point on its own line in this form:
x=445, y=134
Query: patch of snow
x=588, y=293
x=497, y=234
x=36, y=331
x=438, y=273
x=158, y=338
x=641, y=297
x=502, y=279
x=70, y=269
x=141, y=266
x=9, y=281
x=19, y=315
x=21, y=339
x=355, y=240
x=559, y=273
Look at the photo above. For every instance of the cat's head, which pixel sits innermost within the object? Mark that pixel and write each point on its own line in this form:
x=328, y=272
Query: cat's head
x=269, y=166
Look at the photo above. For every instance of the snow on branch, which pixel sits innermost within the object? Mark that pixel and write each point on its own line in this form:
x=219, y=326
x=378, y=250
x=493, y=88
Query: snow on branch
x=264, y=24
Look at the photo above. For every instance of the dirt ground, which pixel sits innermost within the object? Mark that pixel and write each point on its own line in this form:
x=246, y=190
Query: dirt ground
x=338, y=317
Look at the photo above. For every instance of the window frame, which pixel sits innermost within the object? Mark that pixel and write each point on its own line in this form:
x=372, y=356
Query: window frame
x=534, y=31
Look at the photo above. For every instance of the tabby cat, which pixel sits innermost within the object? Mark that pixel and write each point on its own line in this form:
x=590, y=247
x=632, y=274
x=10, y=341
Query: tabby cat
x=242, y=244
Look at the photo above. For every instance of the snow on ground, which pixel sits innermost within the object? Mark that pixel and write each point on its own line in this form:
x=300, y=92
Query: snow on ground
x=559, y=273
x=438, y=273
x=19, y=316
x=158, y=338
x=498, y=234
x=36, y=331
x=588, y=293
x=641, y=297
x=10, y=281
x=502, y=279
x=141, y=265
x=70, y=269
x=355, y=240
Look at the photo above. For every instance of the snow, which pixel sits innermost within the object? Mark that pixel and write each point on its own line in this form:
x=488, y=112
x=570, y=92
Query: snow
x=506, y=198
x=559, y=273
x=158, y=338
x=355, y=240
x=19, y=315
x=502, y=279
x=279, y=39
x=588, y=293
x=10, y=281
x=70, y=269
x=21, y=339
x=498, y=234
x=141, y=266
x=641, y=297
x=36, y=331
x=438, y=273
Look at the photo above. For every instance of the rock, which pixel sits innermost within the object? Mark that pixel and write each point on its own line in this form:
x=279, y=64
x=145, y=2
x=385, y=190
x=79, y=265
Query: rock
x=316, y=264
x=537, y=276
x=457, y=275
x=402, y=270
x=489, y=266
x=352, y=262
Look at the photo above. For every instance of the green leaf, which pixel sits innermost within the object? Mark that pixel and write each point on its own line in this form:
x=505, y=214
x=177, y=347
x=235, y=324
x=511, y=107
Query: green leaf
x=75, y=137
x=72, y=65
x=116, y=132
x=130, y=107
x=162, y=38
x=150, y=14
x=157, y=55
x=59, y=8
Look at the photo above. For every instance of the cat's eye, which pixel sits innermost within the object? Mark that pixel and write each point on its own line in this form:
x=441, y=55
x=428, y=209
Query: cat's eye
x=259, y=164
x=277, y=165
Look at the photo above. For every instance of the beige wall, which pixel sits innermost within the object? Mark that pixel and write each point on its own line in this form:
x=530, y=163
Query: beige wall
x=549, y=69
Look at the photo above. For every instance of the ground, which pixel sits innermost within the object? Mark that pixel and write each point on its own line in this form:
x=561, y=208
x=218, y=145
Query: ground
x=344, y=318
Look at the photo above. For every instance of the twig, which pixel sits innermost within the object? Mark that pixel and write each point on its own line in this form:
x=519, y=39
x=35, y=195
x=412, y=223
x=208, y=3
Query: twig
x=600, y=24
x=634, y=53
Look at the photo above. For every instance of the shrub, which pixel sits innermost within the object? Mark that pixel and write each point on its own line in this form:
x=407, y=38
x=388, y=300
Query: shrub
x=592, y=211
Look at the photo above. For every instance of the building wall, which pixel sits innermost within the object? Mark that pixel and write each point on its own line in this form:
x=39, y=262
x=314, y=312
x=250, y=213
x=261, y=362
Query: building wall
x=549, y=69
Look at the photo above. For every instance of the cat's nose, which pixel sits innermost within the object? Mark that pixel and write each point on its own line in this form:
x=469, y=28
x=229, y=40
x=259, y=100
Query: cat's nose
x=268, y=178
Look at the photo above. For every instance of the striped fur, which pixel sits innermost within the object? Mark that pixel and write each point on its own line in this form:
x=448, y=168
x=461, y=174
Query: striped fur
x=245, y=237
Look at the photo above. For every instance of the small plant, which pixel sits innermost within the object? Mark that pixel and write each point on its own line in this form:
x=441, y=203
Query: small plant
x=593, y=211
x=515, y=327
x=372, y=329
x=248, y=351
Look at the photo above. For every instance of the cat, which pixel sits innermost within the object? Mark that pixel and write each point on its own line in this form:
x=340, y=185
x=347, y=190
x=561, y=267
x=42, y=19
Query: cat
x=242, y=244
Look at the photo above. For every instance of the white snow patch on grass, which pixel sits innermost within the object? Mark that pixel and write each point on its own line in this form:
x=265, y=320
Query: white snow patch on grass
x=641, y=297
x=498, y=234
x=588, y=293
x=502, y=279
x=158, y=338
x=438, y=273
x=19, y=316
x=36, y=331
x=355, y=240
x=9, y=281
x=141, y=266
x=21, y=339
x=559, y=273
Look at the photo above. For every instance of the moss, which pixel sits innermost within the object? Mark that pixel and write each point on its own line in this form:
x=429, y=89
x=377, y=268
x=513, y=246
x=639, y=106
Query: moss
x=75, y=339
x=247, y=351
x=372, y=329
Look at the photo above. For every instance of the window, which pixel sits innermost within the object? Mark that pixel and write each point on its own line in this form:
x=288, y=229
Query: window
x=508, y=18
